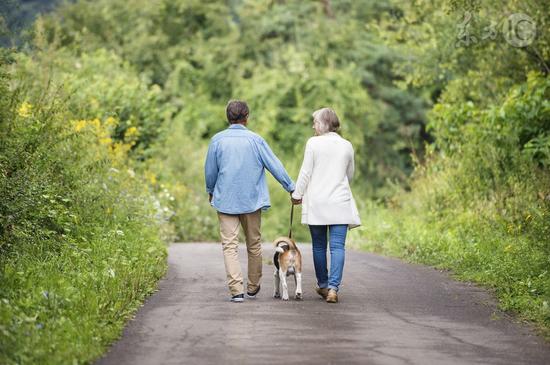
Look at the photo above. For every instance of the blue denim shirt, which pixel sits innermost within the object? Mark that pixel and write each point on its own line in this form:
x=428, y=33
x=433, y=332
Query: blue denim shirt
x=234, y=171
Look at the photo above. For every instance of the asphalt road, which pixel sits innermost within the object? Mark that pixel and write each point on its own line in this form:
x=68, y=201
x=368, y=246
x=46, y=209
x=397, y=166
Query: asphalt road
x=390, y=312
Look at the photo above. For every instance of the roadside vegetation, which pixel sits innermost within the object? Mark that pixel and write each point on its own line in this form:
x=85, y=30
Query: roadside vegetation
x=107, y=107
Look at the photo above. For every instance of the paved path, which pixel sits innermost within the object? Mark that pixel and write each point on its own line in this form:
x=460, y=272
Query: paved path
x=390, y=312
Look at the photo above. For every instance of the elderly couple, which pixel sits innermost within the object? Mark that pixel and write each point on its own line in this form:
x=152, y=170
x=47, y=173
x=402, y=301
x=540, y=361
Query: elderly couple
x=237, y=189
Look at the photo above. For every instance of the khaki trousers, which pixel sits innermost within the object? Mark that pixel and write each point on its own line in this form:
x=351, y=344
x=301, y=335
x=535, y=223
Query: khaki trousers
x=229, y=232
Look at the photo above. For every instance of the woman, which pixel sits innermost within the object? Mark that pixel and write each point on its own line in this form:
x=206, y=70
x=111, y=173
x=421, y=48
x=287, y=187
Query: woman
x=328, y=205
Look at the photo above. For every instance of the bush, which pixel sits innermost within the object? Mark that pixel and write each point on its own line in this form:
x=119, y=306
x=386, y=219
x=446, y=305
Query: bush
x=80, y=245
x=482, y=206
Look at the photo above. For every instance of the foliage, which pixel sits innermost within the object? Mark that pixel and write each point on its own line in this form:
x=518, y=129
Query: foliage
x=286, y=59
x=80, y=232
x=107, y=111
x=480, y=199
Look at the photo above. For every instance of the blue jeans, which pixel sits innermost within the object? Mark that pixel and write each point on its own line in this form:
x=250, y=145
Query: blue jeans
x=337, y=239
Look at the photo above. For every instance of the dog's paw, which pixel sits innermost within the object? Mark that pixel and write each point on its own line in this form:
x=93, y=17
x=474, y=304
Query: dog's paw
x=276, y=295
x=299, y=296
x=285, y=297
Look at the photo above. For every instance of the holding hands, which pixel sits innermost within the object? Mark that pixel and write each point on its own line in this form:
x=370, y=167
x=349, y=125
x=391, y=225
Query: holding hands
x=295, y=201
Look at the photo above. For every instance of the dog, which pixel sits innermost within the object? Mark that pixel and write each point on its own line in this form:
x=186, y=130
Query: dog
x=287, y=261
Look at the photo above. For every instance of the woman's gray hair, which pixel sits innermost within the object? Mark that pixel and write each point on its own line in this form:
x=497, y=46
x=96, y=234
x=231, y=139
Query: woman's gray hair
x=325, y=120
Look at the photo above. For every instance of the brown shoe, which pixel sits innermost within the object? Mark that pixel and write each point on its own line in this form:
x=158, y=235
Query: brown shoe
x=323, y=292
x=332, y=297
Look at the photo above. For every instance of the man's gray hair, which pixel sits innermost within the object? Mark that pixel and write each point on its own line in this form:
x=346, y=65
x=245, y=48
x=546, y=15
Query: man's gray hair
x=325, y=120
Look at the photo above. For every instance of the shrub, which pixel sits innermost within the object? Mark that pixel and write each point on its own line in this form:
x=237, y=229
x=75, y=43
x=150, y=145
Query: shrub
x=80, y=245
x=481, y=207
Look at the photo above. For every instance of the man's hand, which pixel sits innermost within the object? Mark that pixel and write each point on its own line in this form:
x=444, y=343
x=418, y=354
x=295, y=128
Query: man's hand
x=210, y=198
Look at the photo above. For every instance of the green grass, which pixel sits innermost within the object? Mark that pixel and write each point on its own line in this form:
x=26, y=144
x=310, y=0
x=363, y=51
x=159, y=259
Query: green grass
x=479, y=203
x=66, y=306
x=473, y=247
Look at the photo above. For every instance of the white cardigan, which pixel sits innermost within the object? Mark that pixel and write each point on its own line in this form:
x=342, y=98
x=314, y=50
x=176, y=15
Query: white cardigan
x=323, y=182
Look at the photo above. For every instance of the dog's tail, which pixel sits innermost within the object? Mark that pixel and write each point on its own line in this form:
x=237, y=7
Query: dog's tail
x=289, y=241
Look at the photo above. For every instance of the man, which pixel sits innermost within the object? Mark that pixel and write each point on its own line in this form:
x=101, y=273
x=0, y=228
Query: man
x=237, y=189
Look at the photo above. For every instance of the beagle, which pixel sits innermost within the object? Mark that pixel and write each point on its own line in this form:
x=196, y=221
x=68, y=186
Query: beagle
x=287, y=261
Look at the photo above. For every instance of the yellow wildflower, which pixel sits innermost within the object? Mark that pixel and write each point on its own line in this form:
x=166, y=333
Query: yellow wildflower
x=118, y=153
x=151, y=177
x=25, y=110
x=132, y=131
x=111, y=122
x=96, y=123
x=105, y=140
x=131, y=135
x=78, y=125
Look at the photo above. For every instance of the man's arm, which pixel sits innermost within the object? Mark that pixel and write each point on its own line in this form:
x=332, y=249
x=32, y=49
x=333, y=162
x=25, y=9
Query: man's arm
x=274, y=166
x=211, y=170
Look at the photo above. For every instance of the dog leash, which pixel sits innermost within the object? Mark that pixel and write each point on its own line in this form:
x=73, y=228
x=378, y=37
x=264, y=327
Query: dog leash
x=291, y=218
